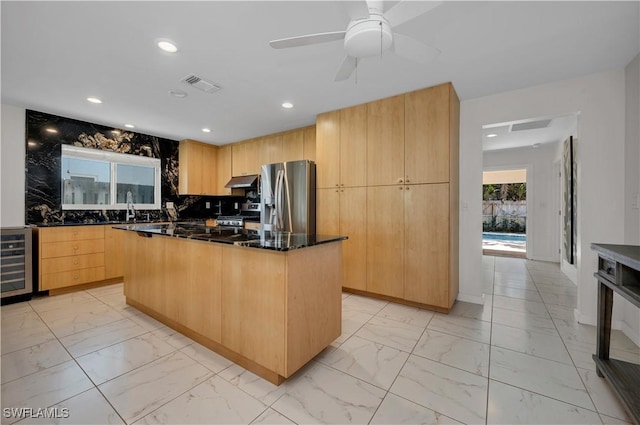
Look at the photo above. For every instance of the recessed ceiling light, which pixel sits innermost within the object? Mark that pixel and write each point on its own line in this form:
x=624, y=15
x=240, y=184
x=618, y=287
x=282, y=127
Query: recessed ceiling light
x=177, y=93
x=287, y=105
x=206, y=130
x=167, y=45
x=492, y=135
x=130, y=126
x=50, y=130
x=94, y=100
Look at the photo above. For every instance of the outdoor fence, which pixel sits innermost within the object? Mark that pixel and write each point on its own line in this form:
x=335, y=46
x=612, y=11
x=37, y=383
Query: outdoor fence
x=504, y=216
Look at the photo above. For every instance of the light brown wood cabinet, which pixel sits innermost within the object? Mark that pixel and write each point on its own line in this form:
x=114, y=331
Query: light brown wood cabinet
x=197, y=168
x=385, y=240
x=341, y=148
x=385, y=141
x=113, y=252
x=69, y=256
x=426, y=245
x=223, y=170
x=428, y=132
x=409, y=228
x=246, y=157
x=340, y=211
x=309, y=149
x=292, y=145
x=269, y=311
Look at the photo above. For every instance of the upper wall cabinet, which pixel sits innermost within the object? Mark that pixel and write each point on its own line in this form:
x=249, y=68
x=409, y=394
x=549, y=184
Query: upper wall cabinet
x=197, y=164
x=427, y=134
x=223, y=170
x=246, y=157
x=341, y=148
x=385, y=141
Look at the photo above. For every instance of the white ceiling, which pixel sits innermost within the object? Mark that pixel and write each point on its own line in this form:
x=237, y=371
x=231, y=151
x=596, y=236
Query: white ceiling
x=56, y=54
x=507, y=136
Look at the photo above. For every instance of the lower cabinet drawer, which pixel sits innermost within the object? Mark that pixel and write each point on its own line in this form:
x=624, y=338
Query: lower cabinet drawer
x=75, y=262
x=71, y=278
x=69, y=248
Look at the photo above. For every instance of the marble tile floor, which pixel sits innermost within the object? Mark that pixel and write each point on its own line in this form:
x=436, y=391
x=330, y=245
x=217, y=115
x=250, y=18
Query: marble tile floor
x=519, y=358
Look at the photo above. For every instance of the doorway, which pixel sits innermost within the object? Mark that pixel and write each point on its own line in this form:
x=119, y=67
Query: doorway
x=504, y=213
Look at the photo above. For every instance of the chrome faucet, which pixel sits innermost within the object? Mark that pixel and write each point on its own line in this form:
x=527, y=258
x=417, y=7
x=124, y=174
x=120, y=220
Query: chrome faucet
x=131, y=211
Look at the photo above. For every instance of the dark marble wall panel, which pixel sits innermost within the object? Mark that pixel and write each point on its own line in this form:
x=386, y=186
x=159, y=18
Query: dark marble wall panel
x=43, y=174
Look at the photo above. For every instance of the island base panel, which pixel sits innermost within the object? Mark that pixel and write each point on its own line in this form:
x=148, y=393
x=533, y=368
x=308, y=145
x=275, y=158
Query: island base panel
x=248, y=364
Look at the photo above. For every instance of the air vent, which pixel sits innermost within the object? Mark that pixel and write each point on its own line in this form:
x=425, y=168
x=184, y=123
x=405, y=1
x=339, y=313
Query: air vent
x=531, y=125
x=200, y=83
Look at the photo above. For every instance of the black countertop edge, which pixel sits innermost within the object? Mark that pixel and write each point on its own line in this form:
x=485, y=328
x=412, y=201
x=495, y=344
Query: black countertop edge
x=628, y=255
x=274, y=241
x=107, y=223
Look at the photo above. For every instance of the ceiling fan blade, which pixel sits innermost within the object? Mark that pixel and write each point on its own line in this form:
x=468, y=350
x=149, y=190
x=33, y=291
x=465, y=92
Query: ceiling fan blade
x=346, y=68
x=357, y=9
x=407, y=10
x=305, y=40
x=412, y=49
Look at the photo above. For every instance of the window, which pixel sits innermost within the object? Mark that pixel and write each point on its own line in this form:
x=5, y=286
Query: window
x=95, y=179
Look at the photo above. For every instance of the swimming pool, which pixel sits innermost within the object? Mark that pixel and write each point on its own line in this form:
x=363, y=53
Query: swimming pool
x=506, y=237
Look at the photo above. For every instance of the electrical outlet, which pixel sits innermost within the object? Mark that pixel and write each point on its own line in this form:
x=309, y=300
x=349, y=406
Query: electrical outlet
x=207, y=205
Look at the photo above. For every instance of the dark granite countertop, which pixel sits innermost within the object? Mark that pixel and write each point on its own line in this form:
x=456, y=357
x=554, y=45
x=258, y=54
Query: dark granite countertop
x=276, y=241
x=628, y=255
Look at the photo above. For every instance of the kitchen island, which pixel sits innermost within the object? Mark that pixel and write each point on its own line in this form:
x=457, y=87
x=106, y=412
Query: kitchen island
x=268, y=302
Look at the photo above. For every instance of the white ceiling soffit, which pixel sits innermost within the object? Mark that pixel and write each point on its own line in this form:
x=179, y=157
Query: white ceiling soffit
x=504, y=176
x=56, y=54
x=527, y=133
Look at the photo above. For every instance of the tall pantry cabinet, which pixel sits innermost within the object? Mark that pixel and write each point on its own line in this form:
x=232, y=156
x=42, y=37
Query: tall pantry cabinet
x=401, y=216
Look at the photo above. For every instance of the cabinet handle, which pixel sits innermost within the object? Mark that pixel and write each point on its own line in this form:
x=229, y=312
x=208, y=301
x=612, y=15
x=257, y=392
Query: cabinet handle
x=341, y=190
x=75, y=277
x=407, y=187
x=400, y=181
x=400, y=187
x=406, y=180
x=76, y=262
x=337, y=185
x=337, y=191
x=341, y=184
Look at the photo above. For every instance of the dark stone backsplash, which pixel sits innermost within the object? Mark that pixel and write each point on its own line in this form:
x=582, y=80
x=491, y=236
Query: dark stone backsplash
x=43, y=174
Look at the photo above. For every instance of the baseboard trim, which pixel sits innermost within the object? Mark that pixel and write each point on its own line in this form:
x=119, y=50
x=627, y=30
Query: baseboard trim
x=619, y=325
x=474, y=299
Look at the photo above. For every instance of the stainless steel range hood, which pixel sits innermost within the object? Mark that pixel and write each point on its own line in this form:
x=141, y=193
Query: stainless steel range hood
x=243, y=182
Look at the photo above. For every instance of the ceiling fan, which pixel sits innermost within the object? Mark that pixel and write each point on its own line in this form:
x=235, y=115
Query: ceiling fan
x=370, y=32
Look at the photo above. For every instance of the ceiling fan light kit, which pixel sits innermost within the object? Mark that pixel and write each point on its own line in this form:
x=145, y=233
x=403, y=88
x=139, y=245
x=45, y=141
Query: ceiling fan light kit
x=368, y=37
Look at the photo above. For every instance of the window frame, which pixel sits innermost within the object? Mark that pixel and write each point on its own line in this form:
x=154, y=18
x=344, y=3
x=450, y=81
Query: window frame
x=113, y=159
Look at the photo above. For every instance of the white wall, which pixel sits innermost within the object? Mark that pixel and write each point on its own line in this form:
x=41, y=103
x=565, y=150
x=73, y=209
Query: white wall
x=632, y=176
x=600, y=101
x=12, y=172
x=543, y=194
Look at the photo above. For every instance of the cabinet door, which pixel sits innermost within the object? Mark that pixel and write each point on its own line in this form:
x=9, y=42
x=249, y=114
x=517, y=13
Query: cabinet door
x=385, y=240
x=353, y=146
x=309, y=151
x=385, y=141
x=190, y=168
x=209, y=173
x=246, y=158
x=270, y=151
x=427, y=135
x=328, y=149
x=223, y=170
x=292, y=146
x=426, y=244
x=353, y=223
x=113, y=252
x=328, y=211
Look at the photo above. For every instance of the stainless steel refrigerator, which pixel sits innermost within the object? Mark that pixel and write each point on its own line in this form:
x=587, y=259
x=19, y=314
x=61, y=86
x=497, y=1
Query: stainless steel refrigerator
x=288, y=197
